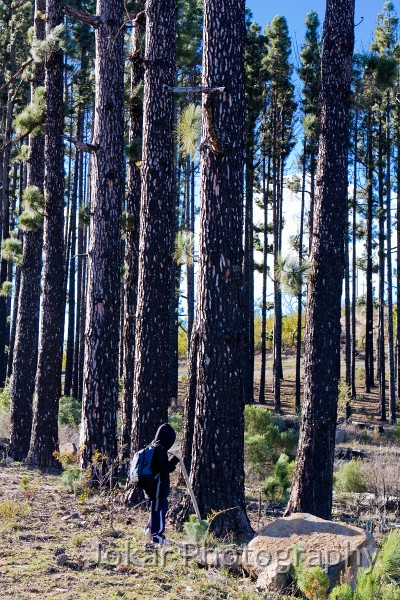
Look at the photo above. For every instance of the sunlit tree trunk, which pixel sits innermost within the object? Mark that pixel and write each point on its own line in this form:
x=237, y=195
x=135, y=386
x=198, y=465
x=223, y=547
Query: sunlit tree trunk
x=313, y=478
x=132, y=234
x=100, y=371
x=44, y=440
x=157, y=223
x=217, y=466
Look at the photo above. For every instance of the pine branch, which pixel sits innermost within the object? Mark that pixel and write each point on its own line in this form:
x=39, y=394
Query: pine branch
x=83, y=147
x=20, y=70
x=194, y=90
x=92, y=20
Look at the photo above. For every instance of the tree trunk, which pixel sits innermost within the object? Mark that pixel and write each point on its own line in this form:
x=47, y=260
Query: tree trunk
x=313, y=479
x=369, y=311
x=44, y=439
x=190, y=264
x=157, y=221
x=5, y=233
x=79, y=278
x=72, y=264
x=392, y=386
x=353, y=391
x=217, y=473
x=100, y=371
x=248, y=269
x=27, y=323
x=381, y=295
x=266, y=180
x=300, y=295
x=132, y=236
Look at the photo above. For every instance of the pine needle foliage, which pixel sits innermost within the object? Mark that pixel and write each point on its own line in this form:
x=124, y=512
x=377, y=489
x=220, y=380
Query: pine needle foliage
x=184, y=248
x=55, y=41
x=11, y=250
x=31, y=218
x=291, y=274
x=31, y=119
x=341, y=592
x=189, y=129
x=6, y=289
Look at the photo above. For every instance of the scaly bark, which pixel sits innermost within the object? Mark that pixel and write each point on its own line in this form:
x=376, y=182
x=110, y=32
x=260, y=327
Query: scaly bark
x=100, y=370
x=157, y=222
x=44, y=439
x=132, y=236
x=313, y=478
x=217, y=472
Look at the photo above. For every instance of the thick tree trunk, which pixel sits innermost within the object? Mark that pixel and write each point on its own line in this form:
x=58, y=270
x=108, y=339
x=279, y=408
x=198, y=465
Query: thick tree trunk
x=217, y=473
x=44, y=439
x=100, y=371
x=157, y=221
x=27, y=322
x=313, y=479
x=132, y=237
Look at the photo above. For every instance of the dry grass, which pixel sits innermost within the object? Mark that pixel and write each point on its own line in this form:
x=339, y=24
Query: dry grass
x=103, y=562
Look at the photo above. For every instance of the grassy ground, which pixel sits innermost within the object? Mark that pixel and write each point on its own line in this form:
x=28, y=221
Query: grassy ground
x=102, y=543
x=103, y=546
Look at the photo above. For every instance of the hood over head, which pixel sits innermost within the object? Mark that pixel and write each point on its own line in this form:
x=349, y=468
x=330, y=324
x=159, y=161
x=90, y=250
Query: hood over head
x=165, y=436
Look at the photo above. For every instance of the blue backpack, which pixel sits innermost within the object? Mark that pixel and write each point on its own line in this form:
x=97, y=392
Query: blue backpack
x=140, y=471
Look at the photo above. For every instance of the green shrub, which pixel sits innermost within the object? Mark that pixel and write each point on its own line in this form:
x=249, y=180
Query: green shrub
x=388, y=562
x=196, y=530
x=350, y=478
x=176, y=420
x=341, y=592
x=182, y=343
x=71, y=479
x=69, y=411
x=396, y=433
x=382, y=581
x=366, y=588
x=390, y=592
x=277, y=485
x=5, y=396
x=313, y=582
x=265, y=439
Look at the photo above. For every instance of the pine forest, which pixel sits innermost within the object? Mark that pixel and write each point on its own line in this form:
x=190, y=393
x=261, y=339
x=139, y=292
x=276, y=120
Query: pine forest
x=200, y=264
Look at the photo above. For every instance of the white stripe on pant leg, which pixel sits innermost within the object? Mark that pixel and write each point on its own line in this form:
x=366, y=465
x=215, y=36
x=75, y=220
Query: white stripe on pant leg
x=161, y=524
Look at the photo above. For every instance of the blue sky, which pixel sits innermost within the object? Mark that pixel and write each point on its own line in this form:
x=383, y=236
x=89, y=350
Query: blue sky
x=296, y=10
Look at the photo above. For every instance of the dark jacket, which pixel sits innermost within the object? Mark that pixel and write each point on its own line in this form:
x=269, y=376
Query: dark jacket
x=163, y=441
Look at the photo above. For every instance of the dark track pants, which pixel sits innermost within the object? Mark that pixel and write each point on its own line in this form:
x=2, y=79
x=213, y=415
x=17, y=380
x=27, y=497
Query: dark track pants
x=156, y=522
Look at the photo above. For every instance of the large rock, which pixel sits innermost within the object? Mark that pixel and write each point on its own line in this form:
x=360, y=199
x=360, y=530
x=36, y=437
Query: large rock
x=332, y=545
